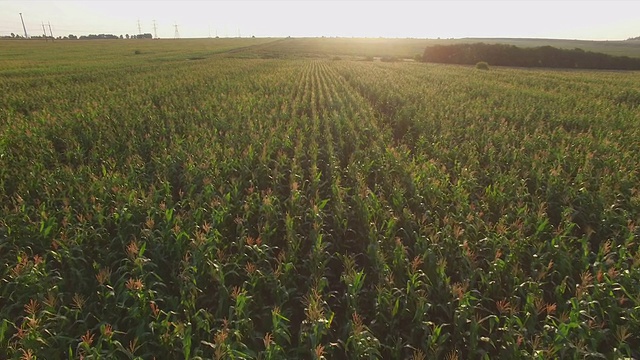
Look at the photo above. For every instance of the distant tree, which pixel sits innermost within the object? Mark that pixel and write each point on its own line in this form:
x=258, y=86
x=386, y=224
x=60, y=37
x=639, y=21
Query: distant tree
x=127, y=36
x=13, y=35
x=121, y=37
x=72, y=37
x=98, y=37
x=482, y=65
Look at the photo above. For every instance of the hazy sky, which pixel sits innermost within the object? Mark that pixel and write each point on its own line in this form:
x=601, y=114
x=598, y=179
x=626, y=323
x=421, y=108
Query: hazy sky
x=597, y=20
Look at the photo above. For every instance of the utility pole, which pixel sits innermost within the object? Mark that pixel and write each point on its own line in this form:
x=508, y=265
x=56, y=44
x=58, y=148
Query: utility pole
x=24, y=27
x=176, y=35
x=50, y=32
x=155, y=31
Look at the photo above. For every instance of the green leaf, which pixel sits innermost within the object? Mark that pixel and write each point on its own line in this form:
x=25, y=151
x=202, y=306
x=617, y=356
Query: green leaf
x=3, y=328
x=542, y=226
x=396, y=307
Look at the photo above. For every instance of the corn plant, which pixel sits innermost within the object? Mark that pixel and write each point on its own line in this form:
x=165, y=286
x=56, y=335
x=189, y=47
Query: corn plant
x=243, y=207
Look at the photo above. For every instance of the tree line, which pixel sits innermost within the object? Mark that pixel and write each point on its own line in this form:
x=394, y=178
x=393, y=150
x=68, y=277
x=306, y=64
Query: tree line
x=510, y=55
x=83, y=37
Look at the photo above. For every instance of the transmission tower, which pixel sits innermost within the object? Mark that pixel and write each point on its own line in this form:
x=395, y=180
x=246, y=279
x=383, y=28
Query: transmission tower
x=139, y=28
x=44, y=33
x=176, y=35
x=155, y=30
x=50, y=32
x=24, y=27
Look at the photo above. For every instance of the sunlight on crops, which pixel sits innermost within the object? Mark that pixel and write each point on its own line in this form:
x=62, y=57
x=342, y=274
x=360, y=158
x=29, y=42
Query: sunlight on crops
x=240, y=207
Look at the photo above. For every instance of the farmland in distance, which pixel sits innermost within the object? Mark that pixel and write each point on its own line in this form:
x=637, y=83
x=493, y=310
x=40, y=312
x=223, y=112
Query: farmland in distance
x=251, y=198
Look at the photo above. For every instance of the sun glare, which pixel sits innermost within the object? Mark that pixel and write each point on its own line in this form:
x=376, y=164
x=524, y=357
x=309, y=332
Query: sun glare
x=420, y=19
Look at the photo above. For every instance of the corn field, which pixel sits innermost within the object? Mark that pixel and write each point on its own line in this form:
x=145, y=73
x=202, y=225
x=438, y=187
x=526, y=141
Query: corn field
x=309, y=208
